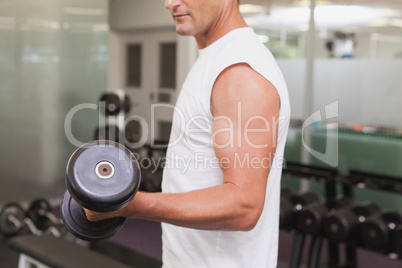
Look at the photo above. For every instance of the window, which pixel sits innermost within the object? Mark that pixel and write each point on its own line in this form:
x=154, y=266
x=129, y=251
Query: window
x=167, y=71
x=133, y=71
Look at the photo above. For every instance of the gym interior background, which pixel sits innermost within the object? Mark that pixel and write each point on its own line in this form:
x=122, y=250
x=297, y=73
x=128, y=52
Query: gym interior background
x=342, y=65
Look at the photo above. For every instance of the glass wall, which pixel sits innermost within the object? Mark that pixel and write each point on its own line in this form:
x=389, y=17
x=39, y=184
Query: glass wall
x=53, y=56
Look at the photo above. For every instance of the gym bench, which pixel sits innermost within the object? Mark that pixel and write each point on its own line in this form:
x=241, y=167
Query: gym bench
x=51, y=252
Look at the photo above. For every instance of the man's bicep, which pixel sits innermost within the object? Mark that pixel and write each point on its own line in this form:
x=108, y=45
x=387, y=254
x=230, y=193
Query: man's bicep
x=246, y=108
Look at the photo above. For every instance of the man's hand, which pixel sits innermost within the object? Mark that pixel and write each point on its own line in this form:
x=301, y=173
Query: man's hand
x=98, y=216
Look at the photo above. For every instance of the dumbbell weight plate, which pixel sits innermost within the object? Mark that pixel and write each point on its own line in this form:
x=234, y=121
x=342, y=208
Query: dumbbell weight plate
x=366, y=210
x=35, y=213
x=310, y=218
x=112, y=104
x=340, y=225
x=76, y=222
x=9, y=213
x=103, y=176
x=377, y=231
x=374, y=234
x=343, y=224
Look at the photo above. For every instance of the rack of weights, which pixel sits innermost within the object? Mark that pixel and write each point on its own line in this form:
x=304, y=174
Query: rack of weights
x=381, y=231
x=113, y=106
x=37, y=219
x=308, y=219
x=337, y=218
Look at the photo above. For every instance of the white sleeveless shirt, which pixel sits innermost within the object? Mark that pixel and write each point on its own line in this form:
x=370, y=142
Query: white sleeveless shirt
x=191, y=162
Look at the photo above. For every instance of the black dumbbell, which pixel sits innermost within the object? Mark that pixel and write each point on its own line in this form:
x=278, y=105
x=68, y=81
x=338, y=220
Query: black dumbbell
x=102, y=176
x=12, y=221
x=377, y=232
x=112, y=104
x=301, y=200
x=342, y=225
x=291, y=204
x=310, y=220
x=40, y=212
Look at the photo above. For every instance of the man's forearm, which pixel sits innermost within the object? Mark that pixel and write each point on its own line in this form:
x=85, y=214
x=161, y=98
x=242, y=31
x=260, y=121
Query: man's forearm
x=217, y=208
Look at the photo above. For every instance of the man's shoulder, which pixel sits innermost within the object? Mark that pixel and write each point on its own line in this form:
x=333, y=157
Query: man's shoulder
x=246, y=48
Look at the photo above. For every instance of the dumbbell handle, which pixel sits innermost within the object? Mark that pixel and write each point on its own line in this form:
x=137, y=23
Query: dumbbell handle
x=27, y=221
x=50, y=216
x=51, y=230
x=32, y=227
x=14, y=221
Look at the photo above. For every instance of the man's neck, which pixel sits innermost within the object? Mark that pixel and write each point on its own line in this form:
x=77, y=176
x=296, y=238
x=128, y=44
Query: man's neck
x=226, y=23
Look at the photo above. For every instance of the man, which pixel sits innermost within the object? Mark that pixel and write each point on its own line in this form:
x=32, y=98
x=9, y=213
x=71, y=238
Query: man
x=230, y=125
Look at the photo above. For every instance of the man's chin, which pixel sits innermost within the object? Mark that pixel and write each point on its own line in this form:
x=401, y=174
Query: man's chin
x=184, y=34
x=182, y=31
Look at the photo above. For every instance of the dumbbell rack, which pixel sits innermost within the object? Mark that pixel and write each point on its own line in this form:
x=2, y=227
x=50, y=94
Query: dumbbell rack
x=38, y=219
x=319, y=174
x=372, y=181
x=113, y=106
x=329, y=177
